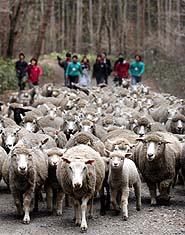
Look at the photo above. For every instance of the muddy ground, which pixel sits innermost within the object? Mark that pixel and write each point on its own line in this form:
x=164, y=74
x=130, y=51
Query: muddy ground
x=149, y=221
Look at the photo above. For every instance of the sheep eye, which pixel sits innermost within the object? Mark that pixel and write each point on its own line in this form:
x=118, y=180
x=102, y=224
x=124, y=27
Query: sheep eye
x=84, y=168
x=159, y=143
x=111, y=158
x=122, y=158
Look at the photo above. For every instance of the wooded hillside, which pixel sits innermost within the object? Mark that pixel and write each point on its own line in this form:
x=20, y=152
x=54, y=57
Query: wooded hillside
x=43, y=26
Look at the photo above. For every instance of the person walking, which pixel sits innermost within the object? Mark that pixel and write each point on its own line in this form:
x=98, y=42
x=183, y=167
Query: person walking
x=99, y=70
x=107, y=62
x=63, y=64
x=73, y=71
x=34, y=72
x=121, y=71
x=21, y=70
x=85, y=78
x=136, y=70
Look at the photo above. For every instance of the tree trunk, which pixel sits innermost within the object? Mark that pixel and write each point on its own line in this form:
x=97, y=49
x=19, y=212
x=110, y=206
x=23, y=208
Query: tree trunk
x=78, y=25
x=91, y=25
x=13, y=22
x=42, y=29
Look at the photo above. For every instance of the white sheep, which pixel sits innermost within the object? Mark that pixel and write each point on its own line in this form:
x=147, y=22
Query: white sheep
x=123, y=175
x=81, y=173
x=25, y=171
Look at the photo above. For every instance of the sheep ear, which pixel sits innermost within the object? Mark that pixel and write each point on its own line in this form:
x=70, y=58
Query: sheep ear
x=62, y=151
x=90, y=161
x=17, y=129
x=66, y=160
x=167, y=142
x=107, y=153
x=44, y=141
x=128, y=155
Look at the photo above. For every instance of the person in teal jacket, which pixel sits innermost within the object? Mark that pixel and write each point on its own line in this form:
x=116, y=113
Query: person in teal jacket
x=136, y=70
x=74, y=70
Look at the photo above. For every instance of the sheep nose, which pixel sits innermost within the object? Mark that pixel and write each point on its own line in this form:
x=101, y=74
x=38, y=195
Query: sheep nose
x=150, y=155
x=115, y=164
x=141, y=134
x=22, y=168
x=77, y=185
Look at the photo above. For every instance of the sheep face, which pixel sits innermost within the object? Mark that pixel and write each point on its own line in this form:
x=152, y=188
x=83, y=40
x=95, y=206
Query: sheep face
x=116, y=162
x=52, y=113
x=171, y=113
x=9, y=139
x=154, y=149
x=70, y=127
x=178, y=126
x=77, y=170
x=142, y=130
x=53, y=160
x=31, y=126
x=21, y=162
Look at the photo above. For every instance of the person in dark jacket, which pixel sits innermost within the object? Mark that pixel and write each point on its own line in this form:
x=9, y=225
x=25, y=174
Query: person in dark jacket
x=21, y=70
x=107, y=62
x=63, y=64
x=99, y=71
x=119, y=56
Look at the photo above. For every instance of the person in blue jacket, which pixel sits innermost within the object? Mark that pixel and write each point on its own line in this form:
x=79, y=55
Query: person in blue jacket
x=136, y=70
x=73, y=71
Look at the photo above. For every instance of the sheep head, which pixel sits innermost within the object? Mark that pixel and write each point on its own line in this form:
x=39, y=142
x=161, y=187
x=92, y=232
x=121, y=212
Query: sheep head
x=77, y=169
x=154, y=146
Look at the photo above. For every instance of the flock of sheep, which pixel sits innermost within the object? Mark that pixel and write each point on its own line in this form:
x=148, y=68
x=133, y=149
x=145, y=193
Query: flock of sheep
x=77, y=144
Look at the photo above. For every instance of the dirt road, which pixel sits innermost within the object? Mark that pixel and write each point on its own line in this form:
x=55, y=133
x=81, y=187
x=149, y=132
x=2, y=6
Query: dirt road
x=149, y=221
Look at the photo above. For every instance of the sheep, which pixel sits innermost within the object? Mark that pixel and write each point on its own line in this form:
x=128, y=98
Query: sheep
x=81, y=173
x=88, y=139
x=157, y=157
x=3, y=157
x=25, y=171
x=123, y=175
x=54, y=194
x=176, y=125
x=56, y=134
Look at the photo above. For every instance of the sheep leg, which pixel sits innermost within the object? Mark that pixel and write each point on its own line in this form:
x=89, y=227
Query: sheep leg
x=164, y=189
x=36, y=199
x=153, y=193
x=114, y=201
x=77, y=212
x=27, y=202
x=137, y=190
x=108, y=198
x=83, y=210
x=49, y=196
x=102, y=202
x=60, y=199
x=124, y=202
x=91, y=208
x=18, y=203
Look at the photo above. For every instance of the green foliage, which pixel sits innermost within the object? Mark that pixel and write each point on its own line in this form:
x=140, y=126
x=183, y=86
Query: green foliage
x=8, y=79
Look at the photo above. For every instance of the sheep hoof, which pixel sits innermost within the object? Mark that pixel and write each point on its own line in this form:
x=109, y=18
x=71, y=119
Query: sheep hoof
x=50, y=213
x=138, y=208
x=125, y=218
x=77, y=224
x=165, y=201
x=83, y=229
x=102, y=212
x=90, y=217
x=116, y=212
x=59, y=212
x=35, y=209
